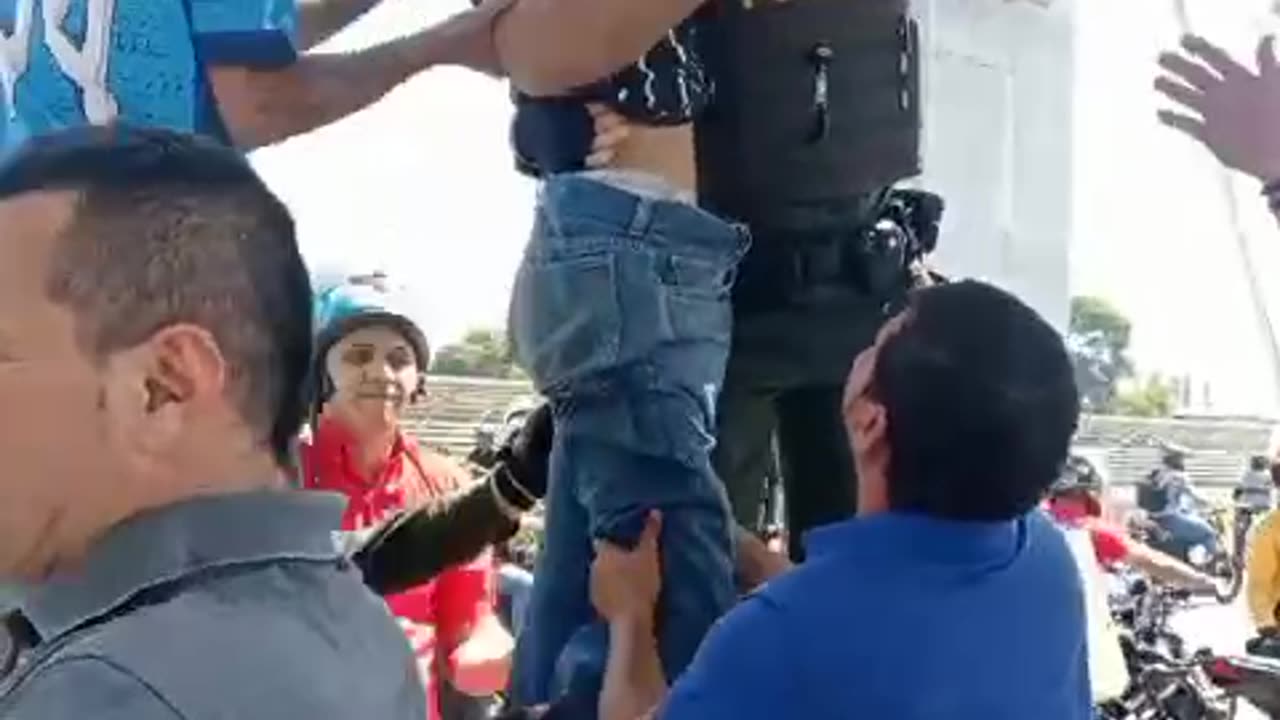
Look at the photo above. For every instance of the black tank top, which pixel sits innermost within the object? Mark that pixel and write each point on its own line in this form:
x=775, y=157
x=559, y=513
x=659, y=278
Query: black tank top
x=668, y=86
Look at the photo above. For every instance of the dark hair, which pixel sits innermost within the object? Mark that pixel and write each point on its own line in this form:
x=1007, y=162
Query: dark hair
x=1259, y=463
x=173, y=228
x=981, y=404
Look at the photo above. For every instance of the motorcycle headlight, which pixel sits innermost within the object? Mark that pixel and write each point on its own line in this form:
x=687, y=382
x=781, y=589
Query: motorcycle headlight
x=1198, y=555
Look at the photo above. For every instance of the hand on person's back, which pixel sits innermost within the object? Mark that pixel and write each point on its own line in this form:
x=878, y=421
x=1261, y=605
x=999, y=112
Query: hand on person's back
x=611, y=133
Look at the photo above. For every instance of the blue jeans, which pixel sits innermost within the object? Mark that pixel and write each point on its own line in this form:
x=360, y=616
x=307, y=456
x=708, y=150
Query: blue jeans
x=515, y=585
x=1187, y=531
x=621, y=315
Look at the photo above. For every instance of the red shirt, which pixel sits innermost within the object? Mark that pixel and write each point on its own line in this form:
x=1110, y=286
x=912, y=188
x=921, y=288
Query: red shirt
x=1110, y=543
x=442, y=612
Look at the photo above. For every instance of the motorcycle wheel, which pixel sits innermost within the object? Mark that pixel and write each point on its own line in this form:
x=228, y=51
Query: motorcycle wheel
x=1229, y=589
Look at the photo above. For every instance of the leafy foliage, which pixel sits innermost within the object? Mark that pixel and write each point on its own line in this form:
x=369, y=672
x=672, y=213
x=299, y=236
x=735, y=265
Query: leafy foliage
x=482, y=352
x=1099, y=342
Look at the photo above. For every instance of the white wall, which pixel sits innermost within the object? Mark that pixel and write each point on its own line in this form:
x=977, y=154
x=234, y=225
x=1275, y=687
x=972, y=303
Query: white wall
x=998, y=91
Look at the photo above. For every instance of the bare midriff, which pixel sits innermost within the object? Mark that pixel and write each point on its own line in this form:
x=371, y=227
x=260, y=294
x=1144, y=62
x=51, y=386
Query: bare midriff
x=664, y=152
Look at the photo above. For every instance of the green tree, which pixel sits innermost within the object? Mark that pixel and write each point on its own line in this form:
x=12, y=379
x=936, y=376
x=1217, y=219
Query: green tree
x=482, y=352
x=1153, y=397
x=1099, y=342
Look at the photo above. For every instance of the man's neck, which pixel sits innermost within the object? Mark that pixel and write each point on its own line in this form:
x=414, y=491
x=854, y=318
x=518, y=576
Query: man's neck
x=72, y=536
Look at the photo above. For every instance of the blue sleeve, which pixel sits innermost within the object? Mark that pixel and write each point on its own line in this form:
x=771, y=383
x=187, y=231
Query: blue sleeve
x=250, y=33
x=741, y=670
x=86, y=688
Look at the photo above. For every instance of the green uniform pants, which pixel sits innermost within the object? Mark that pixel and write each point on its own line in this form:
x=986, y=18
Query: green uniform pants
x=786, y=375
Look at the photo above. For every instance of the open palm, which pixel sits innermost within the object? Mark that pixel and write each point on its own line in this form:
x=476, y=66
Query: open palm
x=1230, y=109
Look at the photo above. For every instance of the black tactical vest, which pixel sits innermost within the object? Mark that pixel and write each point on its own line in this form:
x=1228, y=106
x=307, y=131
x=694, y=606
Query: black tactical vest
x=816, y=104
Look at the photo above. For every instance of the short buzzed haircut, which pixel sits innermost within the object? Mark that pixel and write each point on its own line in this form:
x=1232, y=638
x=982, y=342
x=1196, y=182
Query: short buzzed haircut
x=981, y=403
x=173, y=228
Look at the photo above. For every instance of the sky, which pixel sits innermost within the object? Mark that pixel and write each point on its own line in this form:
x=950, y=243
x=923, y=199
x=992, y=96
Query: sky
x=422, y=185
x=1152, y=228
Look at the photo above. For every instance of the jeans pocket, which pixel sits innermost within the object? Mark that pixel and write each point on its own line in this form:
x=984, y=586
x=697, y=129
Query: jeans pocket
x=696, y=295
x=697, y=277
x=696, y=318
x=565, y=317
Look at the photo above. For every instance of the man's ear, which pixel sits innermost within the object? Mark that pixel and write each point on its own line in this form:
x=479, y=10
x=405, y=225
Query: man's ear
x=184, y=366
x=870, y=423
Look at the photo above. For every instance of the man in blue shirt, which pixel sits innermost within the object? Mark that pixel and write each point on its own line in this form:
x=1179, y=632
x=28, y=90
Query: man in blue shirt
x=226, y=68
x=949, y=596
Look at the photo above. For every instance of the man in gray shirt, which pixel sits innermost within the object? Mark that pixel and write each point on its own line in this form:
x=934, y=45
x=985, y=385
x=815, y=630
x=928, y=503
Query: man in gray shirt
x=154, y=337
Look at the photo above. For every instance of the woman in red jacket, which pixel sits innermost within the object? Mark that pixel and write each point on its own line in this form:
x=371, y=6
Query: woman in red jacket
x=370, y=364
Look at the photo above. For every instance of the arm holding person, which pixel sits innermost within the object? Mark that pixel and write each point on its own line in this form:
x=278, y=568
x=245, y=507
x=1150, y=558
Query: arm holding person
x=731, y=676
x=417, y=545
x=267, y=91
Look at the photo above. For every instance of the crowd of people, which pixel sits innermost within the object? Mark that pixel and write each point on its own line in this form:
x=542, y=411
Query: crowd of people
x=211, y=508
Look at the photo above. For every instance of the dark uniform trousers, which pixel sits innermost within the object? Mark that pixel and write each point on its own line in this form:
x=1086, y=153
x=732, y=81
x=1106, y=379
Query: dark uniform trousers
x=786, y=375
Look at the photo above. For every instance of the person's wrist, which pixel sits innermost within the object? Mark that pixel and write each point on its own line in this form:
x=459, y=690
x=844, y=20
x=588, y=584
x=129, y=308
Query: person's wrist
x=637, y=621
x=529, y=477
x=502, y=497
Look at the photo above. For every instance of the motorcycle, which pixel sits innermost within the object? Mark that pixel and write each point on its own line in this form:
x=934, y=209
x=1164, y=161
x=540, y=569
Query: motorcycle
x=1165, y=684
x=1226, y=564
x=1254, y=678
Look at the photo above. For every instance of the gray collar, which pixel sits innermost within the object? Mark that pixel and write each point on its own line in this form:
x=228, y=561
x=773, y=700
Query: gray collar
x=175, y=542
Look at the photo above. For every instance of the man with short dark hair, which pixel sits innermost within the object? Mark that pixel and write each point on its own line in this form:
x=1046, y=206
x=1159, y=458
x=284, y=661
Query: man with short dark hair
x=154, y=336
x=949, y=595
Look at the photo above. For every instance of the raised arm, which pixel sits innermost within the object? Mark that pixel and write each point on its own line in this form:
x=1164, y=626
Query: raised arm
x=319, y=20
x=1231, y=109
x=266, y=92
x=417, y=545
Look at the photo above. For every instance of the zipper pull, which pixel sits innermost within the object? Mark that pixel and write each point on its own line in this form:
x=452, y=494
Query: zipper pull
x=821, y=57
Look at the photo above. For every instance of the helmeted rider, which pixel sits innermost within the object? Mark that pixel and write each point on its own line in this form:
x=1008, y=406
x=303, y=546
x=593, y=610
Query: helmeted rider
x=1076, y=501
x=1256, y=491
x=370, y=367
x=1172, y=503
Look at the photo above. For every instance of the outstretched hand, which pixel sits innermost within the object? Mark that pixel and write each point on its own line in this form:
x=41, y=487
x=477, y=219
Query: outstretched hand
x=625, y=583
x=1232, y=110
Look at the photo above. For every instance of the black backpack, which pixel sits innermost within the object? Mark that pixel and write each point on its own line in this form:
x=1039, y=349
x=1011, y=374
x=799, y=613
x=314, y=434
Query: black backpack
x=1153, y=495
x=816, y=104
